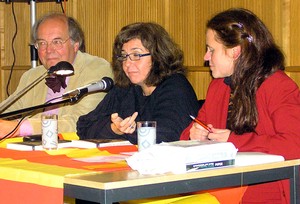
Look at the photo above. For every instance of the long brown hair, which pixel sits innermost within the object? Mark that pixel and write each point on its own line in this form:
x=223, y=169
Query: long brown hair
x=260, y=57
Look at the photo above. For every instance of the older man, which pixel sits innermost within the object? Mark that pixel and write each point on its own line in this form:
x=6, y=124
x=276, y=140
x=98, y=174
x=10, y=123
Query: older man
x=57, y=38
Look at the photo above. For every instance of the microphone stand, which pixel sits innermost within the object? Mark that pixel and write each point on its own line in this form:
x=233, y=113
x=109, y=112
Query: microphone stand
x=18, y=112
x=62, y=68
x=10, y=100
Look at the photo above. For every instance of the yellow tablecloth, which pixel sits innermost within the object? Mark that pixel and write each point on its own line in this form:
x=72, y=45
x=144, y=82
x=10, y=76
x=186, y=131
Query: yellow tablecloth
x=35, y=177
x=38, y=176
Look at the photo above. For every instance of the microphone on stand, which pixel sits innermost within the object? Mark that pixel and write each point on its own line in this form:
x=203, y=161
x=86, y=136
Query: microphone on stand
x=105, y=84
x=62, y=68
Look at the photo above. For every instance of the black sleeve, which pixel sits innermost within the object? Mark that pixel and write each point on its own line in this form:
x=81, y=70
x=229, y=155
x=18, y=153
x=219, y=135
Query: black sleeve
x=172, y=103
x=169, y=105
x=96, y=124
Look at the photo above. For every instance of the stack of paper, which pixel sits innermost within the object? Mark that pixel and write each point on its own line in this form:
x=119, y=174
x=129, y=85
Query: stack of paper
x=253, y=158
x=182, y=156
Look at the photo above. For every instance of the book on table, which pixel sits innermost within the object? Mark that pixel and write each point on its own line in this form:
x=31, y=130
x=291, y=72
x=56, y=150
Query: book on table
x=93, y=143
x=191, y=155
x=34, y=145
x=108, y=142
x=205, y=154
x=183, y=156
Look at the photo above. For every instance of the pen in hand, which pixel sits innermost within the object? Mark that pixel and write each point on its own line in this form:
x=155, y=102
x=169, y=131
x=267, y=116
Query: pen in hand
x=200, y=123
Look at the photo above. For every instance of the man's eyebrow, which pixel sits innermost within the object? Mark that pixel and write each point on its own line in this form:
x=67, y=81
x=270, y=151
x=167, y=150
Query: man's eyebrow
x=57, y=38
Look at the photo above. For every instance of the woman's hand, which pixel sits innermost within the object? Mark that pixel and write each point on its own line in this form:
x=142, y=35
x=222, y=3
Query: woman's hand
x=197, y=132
x=220, y=135
x=123, y=126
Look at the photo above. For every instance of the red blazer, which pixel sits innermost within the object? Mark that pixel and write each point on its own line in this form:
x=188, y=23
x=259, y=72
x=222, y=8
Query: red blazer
x=277, y=132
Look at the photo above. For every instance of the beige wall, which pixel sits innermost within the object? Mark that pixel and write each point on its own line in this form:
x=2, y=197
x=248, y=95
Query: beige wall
x=184, y=20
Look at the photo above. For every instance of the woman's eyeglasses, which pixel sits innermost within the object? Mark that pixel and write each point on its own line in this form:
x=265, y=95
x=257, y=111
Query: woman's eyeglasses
x=132, y=56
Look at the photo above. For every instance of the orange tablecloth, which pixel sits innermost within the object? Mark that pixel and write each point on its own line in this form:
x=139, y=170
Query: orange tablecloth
x=37, y=176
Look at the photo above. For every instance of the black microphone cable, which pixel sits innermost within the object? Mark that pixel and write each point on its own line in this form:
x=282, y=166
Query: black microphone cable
x=62, y=7
x=13, y=48
x=14, y=38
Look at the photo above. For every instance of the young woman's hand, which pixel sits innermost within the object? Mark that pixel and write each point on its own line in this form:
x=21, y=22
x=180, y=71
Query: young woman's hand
x=197, y=132
x=220, y=135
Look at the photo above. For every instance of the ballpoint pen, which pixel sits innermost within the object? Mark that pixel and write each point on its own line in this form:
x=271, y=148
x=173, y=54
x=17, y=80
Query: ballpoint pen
x=200, y=123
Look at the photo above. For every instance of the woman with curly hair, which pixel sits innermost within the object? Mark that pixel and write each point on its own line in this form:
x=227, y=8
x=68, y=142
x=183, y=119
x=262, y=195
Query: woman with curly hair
x=149, y=85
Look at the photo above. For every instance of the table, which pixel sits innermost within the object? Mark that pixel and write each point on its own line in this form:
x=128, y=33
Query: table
x=129, y=185
x=54, y=174
x=34, y=177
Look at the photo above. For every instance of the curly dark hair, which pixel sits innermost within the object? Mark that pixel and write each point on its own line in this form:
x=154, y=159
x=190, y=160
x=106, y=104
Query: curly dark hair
x=167, y=57
x=75, y=31
x=260, y=57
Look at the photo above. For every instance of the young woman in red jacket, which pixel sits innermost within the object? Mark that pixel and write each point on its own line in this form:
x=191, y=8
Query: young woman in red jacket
x=251, y=102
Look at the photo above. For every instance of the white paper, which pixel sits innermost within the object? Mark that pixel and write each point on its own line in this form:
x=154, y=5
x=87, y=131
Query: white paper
x=175, y=156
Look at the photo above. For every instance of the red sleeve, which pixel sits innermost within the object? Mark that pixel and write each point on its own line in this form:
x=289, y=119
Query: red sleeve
x=185, y=135
x=214, y=110
x=277, y=132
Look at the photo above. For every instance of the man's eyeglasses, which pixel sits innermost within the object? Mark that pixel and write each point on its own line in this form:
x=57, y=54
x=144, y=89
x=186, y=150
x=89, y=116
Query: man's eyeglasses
x=57, y=44
x=132, y=56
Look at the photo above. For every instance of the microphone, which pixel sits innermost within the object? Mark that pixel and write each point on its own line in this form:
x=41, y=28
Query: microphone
x=105, y=84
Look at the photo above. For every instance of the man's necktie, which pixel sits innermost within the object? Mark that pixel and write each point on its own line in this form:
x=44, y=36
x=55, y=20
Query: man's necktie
x=56, y=82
